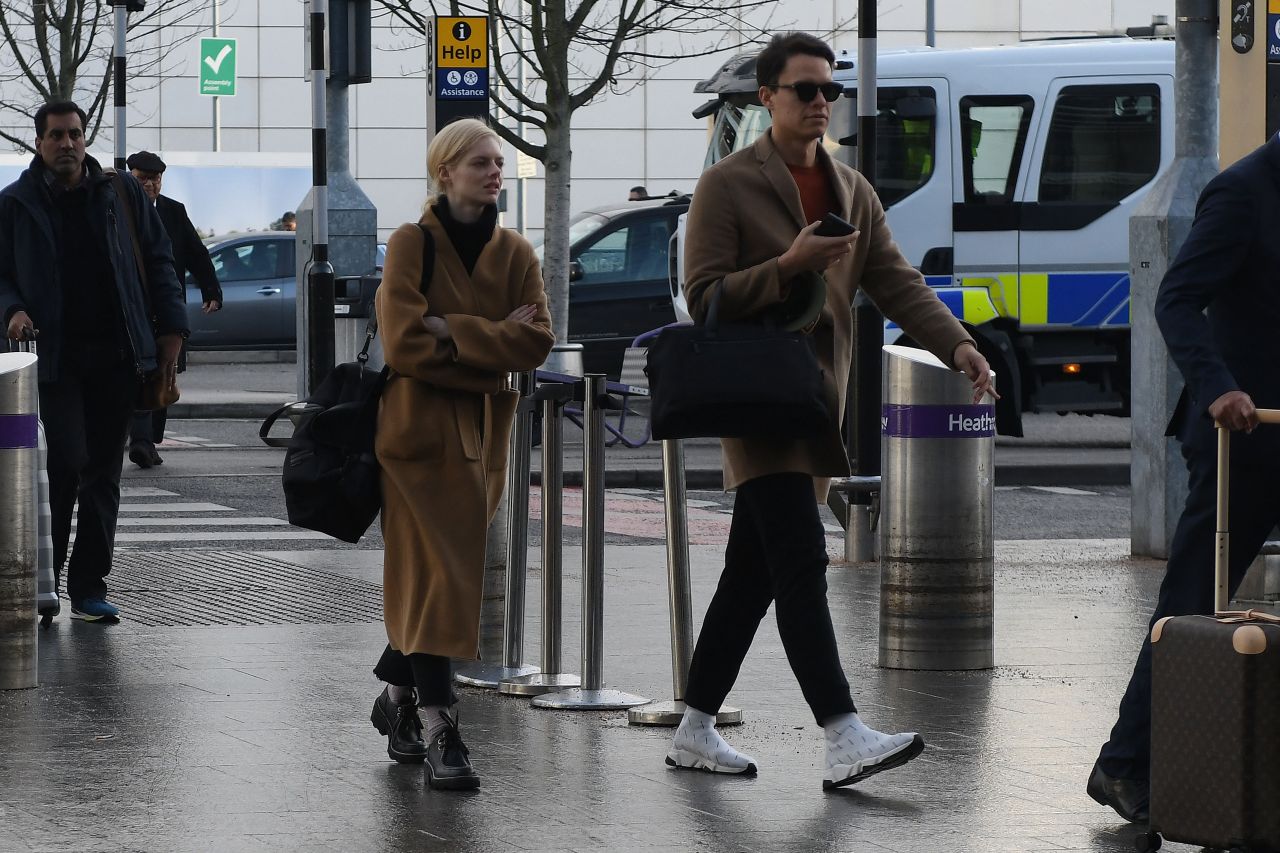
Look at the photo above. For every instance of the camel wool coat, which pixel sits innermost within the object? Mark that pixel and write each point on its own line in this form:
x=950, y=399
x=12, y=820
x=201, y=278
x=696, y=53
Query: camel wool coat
x=444, y=425
x=745, y=214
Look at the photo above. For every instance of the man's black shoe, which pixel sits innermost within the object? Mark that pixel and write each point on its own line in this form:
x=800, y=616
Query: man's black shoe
x=140, y=454
x=155, y=457
x=448, y=763
x=1129, y=797
x=402, y=727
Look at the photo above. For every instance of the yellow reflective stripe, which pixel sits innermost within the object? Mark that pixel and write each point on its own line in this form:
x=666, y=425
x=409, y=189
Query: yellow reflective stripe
x=977, y=306
x=1002, y=291
x=1033, y=293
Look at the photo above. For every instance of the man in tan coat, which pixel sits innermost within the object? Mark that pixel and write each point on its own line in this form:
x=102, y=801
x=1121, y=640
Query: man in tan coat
x=751, y=238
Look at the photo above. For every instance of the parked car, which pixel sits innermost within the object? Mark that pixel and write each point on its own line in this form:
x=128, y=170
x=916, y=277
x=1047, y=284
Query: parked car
x=618, y=276
x=256, y=270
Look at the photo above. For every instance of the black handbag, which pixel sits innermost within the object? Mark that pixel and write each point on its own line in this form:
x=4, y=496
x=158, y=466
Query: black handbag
x=734, y=380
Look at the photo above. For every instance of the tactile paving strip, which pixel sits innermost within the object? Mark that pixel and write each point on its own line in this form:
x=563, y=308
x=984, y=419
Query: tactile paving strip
x=194, y=588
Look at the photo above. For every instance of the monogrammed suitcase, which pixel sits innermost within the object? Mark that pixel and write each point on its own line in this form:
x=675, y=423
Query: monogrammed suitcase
x=1215, y=717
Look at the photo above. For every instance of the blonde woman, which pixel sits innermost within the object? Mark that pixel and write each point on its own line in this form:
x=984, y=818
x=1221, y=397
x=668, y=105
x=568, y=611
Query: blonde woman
x=450, y=335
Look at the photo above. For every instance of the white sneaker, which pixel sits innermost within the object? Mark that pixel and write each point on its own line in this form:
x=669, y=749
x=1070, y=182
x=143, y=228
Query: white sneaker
x=856, y=751
x=698, y=746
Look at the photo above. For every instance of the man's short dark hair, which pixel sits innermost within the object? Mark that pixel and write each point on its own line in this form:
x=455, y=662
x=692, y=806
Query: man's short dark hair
x=59, y=108
x=640, y=190
x=783, y=46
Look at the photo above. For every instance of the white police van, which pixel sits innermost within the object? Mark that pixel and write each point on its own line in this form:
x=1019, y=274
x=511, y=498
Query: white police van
x=1009, y=175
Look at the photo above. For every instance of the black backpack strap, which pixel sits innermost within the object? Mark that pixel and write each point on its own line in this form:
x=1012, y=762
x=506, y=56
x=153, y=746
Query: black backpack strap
x=428, y=256
x=428, y=265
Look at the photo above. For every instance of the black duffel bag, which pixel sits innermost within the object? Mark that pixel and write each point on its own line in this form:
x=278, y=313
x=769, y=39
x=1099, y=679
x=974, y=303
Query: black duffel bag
x=331, y=477
x=734, y=380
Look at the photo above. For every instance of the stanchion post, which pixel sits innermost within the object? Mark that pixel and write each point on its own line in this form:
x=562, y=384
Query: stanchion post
x=551, y=678
x=489, y=675
x=19, y=432
x=592, y=695
x=680, y=599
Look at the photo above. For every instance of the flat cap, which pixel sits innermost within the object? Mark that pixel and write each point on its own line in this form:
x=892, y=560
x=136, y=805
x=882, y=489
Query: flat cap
x=145, y=161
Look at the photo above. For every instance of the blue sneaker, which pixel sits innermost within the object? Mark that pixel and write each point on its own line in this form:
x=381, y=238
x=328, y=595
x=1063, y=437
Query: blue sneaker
x=95, y=610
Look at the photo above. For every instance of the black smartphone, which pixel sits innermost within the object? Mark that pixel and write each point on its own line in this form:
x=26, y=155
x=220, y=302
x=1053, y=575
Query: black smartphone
x=834, y=226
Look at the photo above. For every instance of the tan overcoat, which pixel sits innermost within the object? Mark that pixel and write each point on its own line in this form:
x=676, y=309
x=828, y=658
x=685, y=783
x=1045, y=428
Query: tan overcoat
x=745, y=214
x=444, y=426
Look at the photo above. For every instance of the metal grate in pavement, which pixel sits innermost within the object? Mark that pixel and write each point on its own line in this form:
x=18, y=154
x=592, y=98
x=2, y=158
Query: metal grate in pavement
x=192, y=588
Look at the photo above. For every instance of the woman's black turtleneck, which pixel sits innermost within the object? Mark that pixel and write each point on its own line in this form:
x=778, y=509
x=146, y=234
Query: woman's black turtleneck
x=468, y=238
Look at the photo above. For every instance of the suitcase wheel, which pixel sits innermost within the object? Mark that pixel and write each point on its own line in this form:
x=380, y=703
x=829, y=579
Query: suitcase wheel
x=1147, y=842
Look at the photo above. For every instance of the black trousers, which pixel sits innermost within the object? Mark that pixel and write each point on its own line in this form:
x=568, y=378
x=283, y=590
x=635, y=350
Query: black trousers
x=1188, y=586
x=86, y=413
x=149, y=426
x=431, y=674
x=777, y=553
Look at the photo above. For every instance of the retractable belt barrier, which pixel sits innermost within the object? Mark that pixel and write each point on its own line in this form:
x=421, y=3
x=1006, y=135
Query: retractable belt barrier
x=592, y=695
x=486, y=675
x=680, y=598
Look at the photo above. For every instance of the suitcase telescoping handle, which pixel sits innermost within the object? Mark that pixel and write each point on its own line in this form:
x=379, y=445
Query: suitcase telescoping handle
x=1220, y=595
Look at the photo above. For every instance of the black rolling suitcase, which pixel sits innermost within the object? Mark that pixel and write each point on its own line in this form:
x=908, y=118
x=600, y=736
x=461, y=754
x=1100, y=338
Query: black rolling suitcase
x=1215, y=716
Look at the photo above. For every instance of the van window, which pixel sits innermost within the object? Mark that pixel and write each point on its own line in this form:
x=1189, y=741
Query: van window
x=905, y=140
x=994, y=130
x=1103, y=144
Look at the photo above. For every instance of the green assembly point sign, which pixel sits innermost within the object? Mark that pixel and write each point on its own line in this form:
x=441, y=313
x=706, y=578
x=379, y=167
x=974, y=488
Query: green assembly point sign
x=218, y=66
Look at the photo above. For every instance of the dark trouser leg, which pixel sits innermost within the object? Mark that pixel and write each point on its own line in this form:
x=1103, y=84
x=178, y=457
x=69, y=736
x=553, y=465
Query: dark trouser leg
x=62, y=412
x=140, y=427
x=777, y=550
x=432, y=675
x=1188, y=589
x=108, y=391
x=740, y=602
x=159, y=418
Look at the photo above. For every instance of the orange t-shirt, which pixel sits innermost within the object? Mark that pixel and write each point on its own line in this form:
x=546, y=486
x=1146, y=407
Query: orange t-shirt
x=816, y=196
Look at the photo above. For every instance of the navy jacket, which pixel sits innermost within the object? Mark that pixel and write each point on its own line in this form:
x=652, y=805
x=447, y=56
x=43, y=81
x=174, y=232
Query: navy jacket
x=189, y=252
x=30, y=263
x=1229, y=264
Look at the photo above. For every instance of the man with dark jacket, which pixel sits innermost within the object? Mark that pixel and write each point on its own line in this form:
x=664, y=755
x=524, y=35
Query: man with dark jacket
x=189, y=254
x=68, y=275
x=1228, y=358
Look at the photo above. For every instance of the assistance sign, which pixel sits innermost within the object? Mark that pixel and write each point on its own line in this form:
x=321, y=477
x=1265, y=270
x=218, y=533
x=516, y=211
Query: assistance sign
x=462, y=58
x=218, y=66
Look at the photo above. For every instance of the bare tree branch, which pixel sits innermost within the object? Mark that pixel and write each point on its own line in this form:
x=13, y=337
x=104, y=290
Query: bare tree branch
x=63, y=51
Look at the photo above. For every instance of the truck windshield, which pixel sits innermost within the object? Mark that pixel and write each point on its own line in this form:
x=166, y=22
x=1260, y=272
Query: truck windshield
x=905, y=136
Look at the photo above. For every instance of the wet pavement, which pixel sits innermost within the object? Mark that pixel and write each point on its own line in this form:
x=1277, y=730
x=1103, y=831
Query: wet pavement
x=243, y=737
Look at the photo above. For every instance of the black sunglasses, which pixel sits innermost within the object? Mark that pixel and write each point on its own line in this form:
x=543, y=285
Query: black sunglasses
x=808, y=91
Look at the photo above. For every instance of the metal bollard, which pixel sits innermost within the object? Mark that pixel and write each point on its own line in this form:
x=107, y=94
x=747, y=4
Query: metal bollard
x=19, y=437
x=491, y=675
x=937, y=548
x=551, y=678
x=592, y=695
x=680, y=598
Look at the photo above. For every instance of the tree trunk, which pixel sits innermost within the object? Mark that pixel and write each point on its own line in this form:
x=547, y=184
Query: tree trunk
x=555, y=268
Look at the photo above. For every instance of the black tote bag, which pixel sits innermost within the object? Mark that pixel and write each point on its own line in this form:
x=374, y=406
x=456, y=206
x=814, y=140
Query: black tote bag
x=733, y=381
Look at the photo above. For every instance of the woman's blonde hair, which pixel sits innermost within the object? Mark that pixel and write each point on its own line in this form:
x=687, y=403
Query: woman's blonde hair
x=449, y=146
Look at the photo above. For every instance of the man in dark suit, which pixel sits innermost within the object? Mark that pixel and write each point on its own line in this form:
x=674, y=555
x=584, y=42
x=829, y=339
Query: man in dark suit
x=1228, y=359
x=189, y=254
